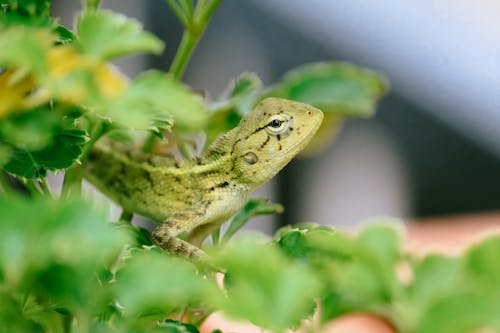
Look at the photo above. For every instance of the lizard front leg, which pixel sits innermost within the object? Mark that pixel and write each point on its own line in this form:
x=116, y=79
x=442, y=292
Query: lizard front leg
x=163, y=237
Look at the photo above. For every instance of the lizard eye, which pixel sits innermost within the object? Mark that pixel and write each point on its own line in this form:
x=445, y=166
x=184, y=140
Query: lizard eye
x=277, y=124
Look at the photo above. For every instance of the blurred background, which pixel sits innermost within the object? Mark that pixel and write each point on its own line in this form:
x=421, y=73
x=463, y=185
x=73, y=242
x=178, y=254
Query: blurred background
x=432, y=149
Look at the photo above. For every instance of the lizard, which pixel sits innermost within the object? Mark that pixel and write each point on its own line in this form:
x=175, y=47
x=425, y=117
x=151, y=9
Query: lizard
x=200, y=195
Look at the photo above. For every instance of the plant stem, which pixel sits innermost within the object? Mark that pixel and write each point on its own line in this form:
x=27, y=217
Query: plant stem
x=72, y=184
x=216, y=237
x=207, y=9
x=179, y=12
x=195, y=22
x=32, y=188
x=147, y=146
x=192, y=34
x=92, y=5
x=45, y=188
x=188, y=43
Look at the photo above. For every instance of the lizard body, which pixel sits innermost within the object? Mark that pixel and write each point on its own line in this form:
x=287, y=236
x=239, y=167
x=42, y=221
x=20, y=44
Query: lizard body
x=201, y=195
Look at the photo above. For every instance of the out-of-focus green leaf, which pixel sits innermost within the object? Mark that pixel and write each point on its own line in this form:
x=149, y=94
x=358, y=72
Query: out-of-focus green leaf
x=153, y=99
x=372, y=272
x=141, y=235
x=481, y=262
x=435, y=276
x=108, y=35
x=265, y=287
x=314, y=243
x=357, y=271
x=254, y=207
x=227, y=113
x=166, y=284
x=333, y=87
x=246, y=84
x=54, y=249
x=383, y=240
x=326, y=134
x=64, y=150
x=242, y=94
x=221, y=121
x=462, y=312
x=64, y=35
x=38, y=141
x=32, y=130
x=339, y=89
x=24, y=48
x=12, y=318
x=25, y=12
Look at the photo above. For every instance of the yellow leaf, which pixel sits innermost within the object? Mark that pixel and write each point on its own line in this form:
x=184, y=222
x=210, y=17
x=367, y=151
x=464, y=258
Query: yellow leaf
x=13, y=90
x=65, y=61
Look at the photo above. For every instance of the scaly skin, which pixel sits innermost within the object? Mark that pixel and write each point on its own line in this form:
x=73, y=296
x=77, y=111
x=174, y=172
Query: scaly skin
x=201, y=195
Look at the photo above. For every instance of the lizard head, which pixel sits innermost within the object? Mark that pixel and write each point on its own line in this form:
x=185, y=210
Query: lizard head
x=271, y=135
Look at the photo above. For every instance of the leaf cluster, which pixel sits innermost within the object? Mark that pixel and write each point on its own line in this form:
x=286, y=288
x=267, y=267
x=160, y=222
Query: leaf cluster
x=58, y=88
x=370, y=272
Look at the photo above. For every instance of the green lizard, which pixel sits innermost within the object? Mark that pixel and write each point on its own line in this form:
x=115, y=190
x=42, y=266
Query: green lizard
x=199, y=196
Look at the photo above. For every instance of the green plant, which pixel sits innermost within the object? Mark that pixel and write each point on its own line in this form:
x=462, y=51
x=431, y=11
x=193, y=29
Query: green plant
x=65, y=268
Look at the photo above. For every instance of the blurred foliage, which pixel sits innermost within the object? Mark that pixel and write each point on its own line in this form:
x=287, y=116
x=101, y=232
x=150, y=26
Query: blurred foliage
x=263, y=286
x=254, y=207
x=65, y=268
x=370, y=272
x=339, y=89
x=108, y=35
x=61, y=260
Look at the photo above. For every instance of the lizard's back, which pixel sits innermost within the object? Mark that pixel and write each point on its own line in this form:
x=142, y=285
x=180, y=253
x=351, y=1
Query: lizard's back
x=153, y=188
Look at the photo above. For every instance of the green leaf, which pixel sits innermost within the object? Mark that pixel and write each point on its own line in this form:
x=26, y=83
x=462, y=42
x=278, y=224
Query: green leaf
x=254, y=207
x=333, y=305
x=263, y=286
x=33, y=130
x=172, y=284
x=64, y=35
x=141, y=235
x=25, y=12
x=12, y=316
x=358, y=272
x=108, y=35
x=333, y=87
x=462, y=312
x=153, y=99
x=221, y=121
x=383, y=240
x=38, y=141
x=246, y=84
x=372, y=274
x=481, y=261
x=316, y=244
x=25, y=48
x=435, y=276
x=54, y=250
x=227, y=112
